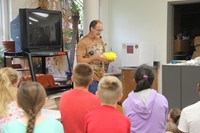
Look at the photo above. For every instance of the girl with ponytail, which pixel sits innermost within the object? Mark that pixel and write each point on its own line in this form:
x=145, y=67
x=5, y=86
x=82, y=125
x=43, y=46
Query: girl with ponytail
x=8, y=87
x=31, y=97
x=145, y=107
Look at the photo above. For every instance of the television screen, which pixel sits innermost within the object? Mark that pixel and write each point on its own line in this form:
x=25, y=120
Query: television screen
x=40, y=30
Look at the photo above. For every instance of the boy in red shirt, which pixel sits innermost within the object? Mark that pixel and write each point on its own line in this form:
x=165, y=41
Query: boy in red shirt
x=106, y=119
x=75, y=103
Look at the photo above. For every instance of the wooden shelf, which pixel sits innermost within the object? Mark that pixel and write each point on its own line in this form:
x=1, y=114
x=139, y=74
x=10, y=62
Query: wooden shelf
x=42, y=55
x=22, y=69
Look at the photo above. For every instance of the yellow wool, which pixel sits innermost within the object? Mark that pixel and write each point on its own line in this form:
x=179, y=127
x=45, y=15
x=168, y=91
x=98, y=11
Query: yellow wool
x=110, y=56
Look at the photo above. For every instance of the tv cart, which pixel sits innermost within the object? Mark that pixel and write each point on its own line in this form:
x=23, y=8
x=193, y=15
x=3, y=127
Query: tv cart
x=42, y=55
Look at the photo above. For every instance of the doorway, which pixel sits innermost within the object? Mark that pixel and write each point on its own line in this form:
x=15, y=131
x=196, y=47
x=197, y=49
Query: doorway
x=182, y=27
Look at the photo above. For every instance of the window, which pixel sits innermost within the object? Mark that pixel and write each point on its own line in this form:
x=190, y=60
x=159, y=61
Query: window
x=4, y=19
x=1, y=19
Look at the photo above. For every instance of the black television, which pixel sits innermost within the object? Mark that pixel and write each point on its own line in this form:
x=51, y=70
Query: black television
x=37, y=30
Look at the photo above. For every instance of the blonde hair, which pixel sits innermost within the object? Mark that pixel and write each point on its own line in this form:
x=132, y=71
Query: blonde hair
x=31, y=97
x=171, y=127
x=109, y=89
x=82, y=74
x=11, y=73
x=7, y=92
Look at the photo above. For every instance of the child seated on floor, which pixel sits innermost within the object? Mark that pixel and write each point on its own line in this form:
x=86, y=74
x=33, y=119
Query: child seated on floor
x=9, y=109
x=31, y=97
x=77, y=102
x=174, y=115
x=171, y=127
x=145, y=107
x=106, y=118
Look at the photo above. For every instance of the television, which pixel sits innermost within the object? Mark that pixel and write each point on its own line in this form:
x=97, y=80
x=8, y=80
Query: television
x=37, y=30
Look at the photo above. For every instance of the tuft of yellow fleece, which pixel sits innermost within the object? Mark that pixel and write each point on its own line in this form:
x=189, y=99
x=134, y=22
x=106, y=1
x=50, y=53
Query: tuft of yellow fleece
x=111, y=56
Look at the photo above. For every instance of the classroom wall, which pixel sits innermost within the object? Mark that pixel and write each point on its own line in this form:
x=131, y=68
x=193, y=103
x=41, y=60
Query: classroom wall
x=136, y=21
x=16, y=4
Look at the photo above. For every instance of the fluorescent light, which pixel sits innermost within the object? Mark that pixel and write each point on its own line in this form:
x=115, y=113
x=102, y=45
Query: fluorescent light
x=41, y=14
x=33, y=19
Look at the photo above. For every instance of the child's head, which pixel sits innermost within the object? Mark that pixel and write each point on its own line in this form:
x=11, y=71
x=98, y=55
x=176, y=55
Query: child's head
x=82, y=74
x=11, y=73
x=7, y=93
x=144, y=77
x=31, y=97
x=174, y=115
x=109, y=90
x=171, y=127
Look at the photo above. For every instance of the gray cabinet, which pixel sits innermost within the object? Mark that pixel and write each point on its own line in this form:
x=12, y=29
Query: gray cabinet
x=179, y=84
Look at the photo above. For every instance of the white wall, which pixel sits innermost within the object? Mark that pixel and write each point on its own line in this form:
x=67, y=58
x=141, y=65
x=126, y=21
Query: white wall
x=90, y=12
x=16, y=4
x=139, y=21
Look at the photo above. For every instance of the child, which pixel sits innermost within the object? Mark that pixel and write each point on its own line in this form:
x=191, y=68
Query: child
x=31, y=97
x=8, y=107
x=174, y=115
x=106, y=119
x=75, y=103
x=189, y=119
x=12, y=75
x=145, y=108
x=171, y=127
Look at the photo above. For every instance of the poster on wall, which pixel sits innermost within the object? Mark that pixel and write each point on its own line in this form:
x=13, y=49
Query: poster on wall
x=135, y=54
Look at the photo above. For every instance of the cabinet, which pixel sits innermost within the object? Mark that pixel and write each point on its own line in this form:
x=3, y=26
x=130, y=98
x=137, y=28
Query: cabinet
x=180, y=56
x=128, y=80
x=179, y=83
x=42, y=55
